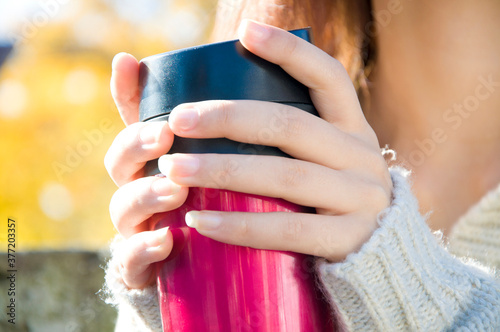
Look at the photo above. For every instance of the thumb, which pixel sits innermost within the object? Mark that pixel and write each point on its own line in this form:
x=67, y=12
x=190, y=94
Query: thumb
x=330, y=86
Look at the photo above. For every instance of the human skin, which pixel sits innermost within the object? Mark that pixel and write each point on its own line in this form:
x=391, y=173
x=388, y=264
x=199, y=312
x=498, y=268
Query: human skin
x=430, y=58
x=330, y=177
x=437, y=49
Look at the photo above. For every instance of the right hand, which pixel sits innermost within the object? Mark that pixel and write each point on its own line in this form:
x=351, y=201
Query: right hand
x=138, y=197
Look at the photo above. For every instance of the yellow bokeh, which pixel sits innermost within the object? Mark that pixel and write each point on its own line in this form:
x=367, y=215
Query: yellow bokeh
x=57, y=118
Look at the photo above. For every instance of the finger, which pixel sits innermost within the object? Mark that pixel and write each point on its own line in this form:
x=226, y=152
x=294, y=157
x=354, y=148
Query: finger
x=331, y=88
x=139, y=252
x=331, y=237
x=138, y=200
x=292, y=130
x=294, y=180
x=134, y=146
x=125, y=87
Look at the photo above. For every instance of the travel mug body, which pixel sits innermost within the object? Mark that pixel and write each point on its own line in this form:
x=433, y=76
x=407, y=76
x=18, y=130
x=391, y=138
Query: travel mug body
x=206, y=285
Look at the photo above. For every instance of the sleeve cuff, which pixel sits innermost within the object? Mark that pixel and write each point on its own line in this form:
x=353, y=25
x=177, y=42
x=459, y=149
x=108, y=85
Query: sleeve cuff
x=138, y=309
x=403, y=279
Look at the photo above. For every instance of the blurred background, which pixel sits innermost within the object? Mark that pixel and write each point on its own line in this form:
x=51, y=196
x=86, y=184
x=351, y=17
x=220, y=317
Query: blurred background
x=57, y=120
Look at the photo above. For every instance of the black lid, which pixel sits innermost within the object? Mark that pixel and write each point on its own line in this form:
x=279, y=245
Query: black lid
x=223, y=70
x=5, y=49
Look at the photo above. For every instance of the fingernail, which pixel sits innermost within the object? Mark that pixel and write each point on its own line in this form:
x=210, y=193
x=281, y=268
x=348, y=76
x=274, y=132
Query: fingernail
x=253, y=31
x=178, y=165
x=150, y=133
x=203, y=221
x=115, y=59
x=159, y=237
x=165, y=187
x=184, y=118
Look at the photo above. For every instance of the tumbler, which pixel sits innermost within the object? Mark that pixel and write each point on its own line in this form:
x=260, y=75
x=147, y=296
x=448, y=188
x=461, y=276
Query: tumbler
x=206, y=285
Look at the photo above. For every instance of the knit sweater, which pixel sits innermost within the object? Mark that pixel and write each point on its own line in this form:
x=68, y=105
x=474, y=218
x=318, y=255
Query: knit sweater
x=403, y=279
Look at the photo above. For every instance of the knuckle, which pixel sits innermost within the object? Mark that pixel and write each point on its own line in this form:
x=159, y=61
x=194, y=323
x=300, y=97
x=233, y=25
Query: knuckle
x=335, y=72
x=109, y=164
x=125, y=144
x=377, y=163
x=128, y=140
x=227, y=170
x=225, y=113
x=378, y=197
x=111, y=159
x=242, y=230
x=129, y=199
x=290, y=175
x=133, y=250
x=135, y=202
x=327, y=245
x=295, y=126
x=290, y=46
x=377, y=167
x=229, y=166
x=115, y=210
x=130, y=260
x=113, y=206
x=292, y=228
x=121, y=205
x=130, y=137
x=125, y=100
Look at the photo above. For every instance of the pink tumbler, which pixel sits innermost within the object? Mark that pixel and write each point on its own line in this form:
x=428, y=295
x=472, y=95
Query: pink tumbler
x=205, y=285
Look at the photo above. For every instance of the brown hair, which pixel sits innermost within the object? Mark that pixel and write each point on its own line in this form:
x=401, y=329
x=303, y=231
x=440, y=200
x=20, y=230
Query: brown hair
x=338, y=27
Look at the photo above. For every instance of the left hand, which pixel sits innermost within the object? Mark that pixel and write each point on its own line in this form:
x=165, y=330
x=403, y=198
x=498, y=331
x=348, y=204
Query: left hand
x=338, y=167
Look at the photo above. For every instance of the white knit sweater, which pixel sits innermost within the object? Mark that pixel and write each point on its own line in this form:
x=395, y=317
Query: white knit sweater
x=402, y=279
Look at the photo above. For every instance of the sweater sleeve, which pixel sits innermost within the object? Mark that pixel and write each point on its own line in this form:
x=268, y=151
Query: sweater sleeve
x=138, y=310
x=403, y=279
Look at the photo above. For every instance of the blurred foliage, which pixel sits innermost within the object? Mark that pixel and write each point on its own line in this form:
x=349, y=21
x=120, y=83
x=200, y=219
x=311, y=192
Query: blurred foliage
x=57, y=118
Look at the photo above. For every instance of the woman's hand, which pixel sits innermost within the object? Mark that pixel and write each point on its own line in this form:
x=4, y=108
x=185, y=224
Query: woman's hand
x=138, y=197
x=338, y=167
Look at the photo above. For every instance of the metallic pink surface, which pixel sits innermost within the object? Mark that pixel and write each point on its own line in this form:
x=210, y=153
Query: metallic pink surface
x=205, y=285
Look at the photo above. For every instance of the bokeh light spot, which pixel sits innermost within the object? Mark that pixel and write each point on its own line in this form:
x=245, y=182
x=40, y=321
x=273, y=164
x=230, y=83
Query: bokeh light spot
x=80, y=86
x=55, y=201
x=13, y=98
x=91, y=30
x=184, y=27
